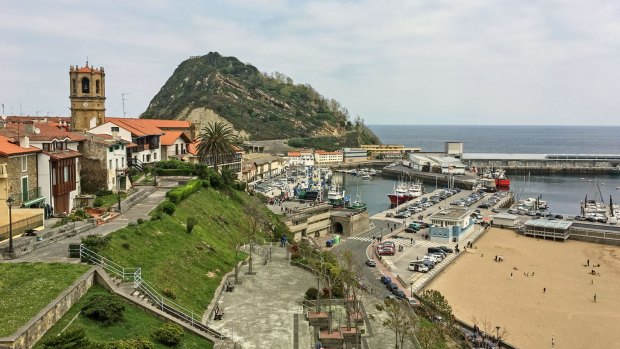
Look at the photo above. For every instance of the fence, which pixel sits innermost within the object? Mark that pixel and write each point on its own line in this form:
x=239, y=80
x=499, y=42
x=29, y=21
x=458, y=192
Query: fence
x=159, y=301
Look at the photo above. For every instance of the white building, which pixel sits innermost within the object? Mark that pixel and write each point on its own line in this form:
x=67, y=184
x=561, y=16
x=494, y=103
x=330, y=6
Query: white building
x=144, y=135
x=505, y=220
x=174, y=145
x=322, y=157
x=300, y=158
x=450, y=225
x=352, y=155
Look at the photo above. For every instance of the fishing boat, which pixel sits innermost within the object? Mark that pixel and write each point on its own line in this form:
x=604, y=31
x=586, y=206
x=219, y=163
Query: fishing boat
x=365, y=176
x=358, y=204
x=335, y=196
x=400, y=194
x=416, y=189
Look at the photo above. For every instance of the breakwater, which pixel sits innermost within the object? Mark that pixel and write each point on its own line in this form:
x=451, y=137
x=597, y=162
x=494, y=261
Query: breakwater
x=558, y=164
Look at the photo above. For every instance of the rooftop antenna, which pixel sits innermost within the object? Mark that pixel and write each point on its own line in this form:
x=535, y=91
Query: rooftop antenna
x=2, y=108
x=124, y=99
x=87, y=61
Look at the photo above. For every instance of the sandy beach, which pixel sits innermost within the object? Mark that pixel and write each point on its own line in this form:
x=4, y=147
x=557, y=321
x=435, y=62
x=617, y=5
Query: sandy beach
x=477, y=286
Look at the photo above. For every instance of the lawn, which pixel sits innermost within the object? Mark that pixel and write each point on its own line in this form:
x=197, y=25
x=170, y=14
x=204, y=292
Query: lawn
x=26, y=288
x=191, y=265
x=137, y=323
x=110, y=199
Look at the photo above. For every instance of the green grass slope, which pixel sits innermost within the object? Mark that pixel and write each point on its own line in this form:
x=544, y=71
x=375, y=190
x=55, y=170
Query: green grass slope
x=137, y=323
x=26, y=288
x=191, y=265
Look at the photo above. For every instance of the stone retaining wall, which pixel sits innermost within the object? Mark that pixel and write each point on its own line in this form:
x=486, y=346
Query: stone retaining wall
x=29, y=334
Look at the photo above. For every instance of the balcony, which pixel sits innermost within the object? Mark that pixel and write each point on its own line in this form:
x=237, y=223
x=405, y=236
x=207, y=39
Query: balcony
x=29, y=198
x=3, y=171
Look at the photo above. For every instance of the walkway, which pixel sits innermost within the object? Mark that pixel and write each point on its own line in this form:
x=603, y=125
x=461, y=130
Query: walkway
x=58, y=251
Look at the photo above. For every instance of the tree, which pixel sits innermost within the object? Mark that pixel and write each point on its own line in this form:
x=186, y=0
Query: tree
x=216, y=143
x=427, y=336
x=255, y=216
x=440, y=310
x=399, y=319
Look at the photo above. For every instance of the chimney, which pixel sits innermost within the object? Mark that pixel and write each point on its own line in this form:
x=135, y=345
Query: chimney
x=24, y=142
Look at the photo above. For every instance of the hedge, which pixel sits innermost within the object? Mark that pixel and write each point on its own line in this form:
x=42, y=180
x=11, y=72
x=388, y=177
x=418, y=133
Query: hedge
x=173, y=172
x=177, y=195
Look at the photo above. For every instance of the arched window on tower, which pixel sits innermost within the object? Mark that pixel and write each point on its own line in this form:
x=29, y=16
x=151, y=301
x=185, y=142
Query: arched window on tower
x=73, y=86
x=97, y=86
x=85, y=85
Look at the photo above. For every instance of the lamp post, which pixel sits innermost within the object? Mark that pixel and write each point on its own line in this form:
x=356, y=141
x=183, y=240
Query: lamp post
x=411, y=291
x=497, y=335
x=9, y=203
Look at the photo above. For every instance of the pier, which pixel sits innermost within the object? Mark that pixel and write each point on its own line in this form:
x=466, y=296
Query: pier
x=546, y=163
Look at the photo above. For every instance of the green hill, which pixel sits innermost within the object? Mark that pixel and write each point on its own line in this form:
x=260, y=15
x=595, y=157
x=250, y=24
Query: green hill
x=260, y=106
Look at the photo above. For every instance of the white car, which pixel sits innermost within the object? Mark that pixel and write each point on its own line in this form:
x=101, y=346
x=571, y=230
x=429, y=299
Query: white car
x=438, y=256
x=430, y=258
x=418, y=266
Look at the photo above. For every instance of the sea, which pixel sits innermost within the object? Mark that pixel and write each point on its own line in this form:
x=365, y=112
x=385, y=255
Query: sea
x=562, y=193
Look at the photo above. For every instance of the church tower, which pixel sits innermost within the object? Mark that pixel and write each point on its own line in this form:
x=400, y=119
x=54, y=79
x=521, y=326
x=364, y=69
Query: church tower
x=87, y=95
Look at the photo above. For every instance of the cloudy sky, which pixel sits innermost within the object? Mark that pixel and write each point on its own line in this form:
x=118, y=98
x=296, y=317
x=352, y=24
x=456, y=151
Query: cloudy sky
x=391, y=62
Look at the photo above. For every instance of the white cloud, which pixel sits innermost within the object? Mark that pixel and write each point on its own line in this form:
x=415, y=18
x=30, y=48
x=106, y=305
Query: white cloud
x=478, y=61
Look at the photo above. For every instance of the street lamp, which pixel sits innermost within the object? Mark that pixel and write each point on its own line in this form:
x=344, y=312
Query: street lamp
x=9, y=203
x=497, y=328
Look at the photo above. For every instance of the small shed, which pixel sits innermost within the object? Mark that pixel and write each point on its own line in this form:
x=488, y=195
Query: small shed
x=505, y=220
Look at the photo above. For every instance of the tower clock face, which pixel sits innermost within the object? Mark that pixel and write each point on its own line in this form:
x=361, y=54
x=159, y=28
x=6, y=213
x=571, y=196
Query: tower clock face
x=85, y=104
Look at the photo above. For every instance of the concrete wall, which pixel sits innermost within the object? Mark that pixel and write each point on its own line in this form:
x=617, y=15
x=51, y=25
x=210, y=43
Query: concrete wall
x=28, y=335
x=606, y=238
x=547, y=166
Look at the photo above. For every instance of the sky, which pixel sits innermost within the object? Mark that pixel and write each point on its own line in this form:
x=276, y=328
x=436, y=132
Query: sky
x=465, y=62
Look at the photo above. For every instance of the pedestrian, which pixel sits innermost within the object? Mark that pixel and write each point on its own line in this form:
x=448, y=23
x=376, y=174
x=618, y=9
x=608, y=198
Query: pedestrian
x=592, y=282
x=552, y=341
x=532, y=273
x=412, y=241
x=595, y=298
x=544, y=290
x=511, y=275
x=588, y=262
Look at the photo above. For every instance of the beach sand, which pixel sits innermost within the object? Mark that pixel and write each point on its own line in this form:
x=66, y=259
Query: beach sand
x=477, y=286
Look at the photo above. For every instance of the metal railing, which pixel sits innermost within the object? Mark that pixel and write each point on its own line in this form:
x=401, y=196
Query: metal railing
x=159, y=301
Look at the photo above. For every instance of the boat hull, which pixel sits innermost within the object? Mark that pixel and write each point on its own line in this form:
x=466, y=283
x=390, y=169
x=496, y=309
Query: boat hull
x=399, y=199
x=502, y=182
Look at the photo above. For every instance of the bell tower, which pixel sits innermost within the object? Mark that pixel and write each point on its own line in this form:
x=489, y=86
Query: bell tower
x=87, y=95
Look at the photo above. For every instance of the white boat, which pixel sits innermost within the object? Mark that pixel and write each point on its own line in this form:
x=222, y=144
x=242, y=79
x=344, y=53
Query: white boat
x=366, y=176
x=416, y=189
x=335, y=196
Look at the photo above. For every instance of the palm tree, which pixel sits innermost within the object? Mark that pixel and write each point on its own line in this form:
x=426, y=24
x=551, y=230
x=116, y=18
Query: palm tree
x=217, y=141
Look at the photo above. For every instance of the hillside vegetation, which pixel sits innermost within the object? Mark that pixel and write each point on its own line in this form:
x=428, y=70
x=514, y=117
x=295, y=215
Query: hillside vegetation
x=26, y=288
x=260, y=106
x=189, y=265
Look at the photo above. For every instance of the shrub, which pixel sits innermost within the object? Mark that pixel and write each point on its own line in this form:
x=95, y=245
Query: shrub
x=125, y=245
x=104, y=308
x=103, y=192
x=69, y=339
x=169, y=334
x=95, y=242
x=216, y=180
x=133, y=343
x=169, y=293
x=98, y=202
x=156, y=215
x=140, y=220
x=312, y=293
x=168, y=207
x=191, y=222
x=206, y=183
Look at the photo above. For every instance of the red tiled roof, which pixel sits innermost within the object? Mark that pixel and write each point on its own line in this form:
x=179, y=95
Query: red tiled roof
x=136, y=126
x=7, y=148
x=171, y=136
x=176, y=124
x=193, y=147
x=47, y=132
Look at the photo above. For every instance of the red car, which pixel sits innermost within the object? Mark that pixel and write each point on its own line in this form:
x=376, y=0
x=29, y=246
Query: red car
x=386, y=251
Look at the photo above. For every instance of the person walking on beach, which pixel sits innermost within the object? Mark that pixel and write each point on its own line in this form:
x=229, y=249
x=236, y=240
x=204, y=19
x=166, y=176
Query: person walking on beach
x=544, y=290
x=552, y=341
x=595, y=298
x=588, y=262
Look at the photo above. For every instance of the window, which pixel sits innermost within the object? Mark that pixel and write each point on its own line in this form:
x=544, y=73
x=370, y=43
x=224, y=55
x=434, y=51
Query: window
x=73, y=87
x=85, y=85
x=154, y=156
x=24, y=163
x=116, y=163
x=46, y=146
x=114, y=128
x=110, y=167
x=66, y=173
x=148, y=158
x=96, y=86
x=123, y=161
x=176, y=149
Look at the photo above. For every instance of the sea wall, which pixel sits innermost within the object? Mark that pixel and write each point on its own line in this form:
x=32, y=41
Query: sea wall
x=599, y=237
x=551, y=167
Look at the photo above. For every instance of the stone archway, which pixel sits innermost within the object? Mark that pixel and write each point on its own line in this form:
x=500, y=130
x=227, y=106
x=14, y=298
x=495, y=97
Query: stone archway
x=337, y=228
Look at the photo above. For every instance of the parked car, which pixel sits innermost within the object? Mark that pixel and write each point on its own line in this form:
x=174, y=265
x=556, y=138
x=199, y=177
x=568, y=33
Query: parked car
x=411, y=230
x=371, y=263
x=399, y=294
x=418, y=266
x=392, y=286
x=495, y=210
x=413, y=302
x=386, y=279
x=446, y=249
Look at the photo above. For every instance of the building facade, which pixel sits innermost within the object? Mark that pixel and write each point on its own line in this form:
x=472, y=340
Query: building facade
x=353, y=155
x=322, y=157
x=104, y=163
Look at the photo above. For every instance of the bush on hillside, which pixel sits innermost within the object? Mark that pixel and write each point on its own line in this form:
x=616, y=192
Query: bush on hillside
x=191, y=222
x=169, y=334
x=98, y=202
x=168, y=207
x=105, y=308
x=95, y=242
x=69, y=339
x=133, y=343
